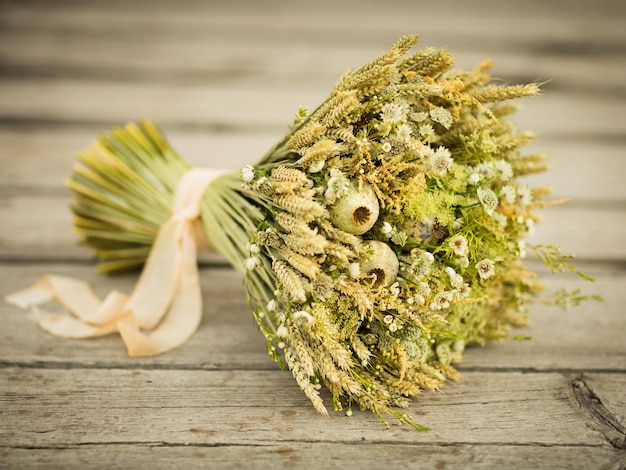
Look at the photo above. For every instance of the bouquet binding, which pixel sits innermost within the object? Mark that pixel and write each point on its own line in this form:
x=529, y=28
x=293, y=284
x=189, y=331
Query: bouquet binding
x=381, y=236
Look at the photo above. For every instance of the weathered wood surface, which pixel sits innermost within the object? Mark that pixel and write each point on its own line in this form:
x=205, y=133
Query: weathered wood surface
x=224, y=80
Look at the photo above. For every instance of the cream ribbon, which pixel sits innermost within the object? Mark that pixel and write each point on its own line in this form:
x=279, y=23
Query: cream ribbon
x=166, y=301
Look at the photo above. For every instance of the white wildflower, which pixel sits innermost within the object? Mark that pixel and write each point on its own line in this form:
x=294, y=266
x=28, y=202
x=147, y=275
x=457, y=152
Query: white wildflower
x=426, y=131
x=419, y=299
x=355, y=270
x=442, y=116
x=505, y=172
x=508, y=194
x=388, y=319
x=428, y=257
x=521, y=248
x=458, y=243
x=463, y=291
x=394, y=288
x=253, y=248
x=474, y=178
x=486, y=268
x=419, y=117
x=487, y=169
x=251, y=263
x=530, y=226
x=303, y=317
x=501, y=219
x=393, y=327
x=424, y=288
x=282, y=331
x=441, y=161
x=463, y=262
x=271, y=305
x=337, y=186
x=403, y=132
x=247, y=173
x=386, y=147
x=488, y=199
x=525, y=196
x=387, y=229
x=392, y=113
x=441, y=301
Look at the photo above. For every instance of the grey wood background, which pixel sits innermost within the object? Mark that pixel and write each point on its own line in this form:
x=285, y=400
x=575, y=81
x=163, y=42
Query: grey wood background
x=224, y=79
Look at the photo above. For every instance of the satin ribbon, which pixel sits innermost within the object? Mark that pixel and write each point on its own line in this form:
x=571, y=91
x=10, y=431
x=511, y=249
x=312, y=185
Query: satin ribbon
x=166, y=301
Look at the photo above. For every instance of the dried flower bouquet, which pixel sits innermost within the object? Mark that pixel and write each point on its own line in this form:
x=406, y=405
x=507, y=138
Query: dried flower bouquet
x=381, y=236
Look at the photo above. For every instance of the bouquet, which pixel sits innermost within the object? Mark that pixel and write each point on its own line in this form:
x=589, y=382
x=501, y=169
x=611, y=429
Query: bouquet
x=381, y=236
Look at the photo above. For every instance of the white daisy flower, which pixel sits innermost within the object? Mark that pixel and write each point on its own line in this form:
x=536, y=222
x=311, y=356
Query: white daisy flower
x=486, y=268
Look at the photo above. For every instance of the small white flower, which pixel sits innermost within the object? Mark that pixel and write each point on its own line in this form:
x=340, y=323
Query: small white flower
x=442, y=116
x=521, y=248
x=392, y=112
x=428, y=257
x=247, y=173
x=441, y=161
x=488, y=169
x=403, y=132
x=530, y=226
x=474, y=178
x=388, y=319
x=456, y=280
x=419, y=299
x=387, y=229
x=486, y=268
x=253, y=248
x=386, y=147
x=271, y=305
x=426, y=131
x=424, y=288
x=463, y=262
x=458, y=243
x=508, y=194
x=500, y=218
x=337, y=186
x=463, y=291
x=488, y=199
x=441, y=301
x=251, y=263
x=355, y=270
x=394, y=288
x=282, y=331
x=525, y=196
x=504, y=169
x=303, y=317
x=393, y=327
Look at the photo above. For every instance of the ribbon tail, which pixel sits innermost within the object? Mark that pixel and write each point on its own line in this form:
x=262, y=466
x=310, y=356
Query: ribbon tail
x=182, y=318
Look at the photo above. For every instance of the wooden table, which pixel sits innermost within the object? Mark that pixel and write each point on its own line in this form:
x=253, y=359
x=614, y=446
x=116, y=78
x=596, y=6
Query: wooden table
x=224, y=80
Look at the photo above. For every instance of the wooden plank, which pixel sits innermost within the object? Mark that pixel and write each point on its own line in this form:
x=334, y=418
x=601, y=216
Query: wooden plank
x=508, y=22
x=40, y=226
x=586, y=338
x=255, y=107
x=44, y=408
x=39, y=159
x=259, y=61
x=304, y=455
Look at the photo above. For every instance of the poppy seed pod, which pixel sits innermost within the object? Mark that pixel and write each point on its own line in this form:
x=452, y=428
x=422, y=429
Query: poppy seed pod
x=357, y=210
x=382, y=263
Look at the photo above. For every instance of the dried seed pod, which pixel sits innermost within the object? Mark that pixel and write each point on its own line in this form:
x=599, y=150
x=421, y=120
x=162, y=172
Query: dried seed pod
x=382, y=263
x=356, y=211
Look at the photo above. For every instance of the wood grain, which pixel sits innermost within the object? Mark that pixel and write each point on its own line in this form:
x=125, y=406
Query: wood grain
x=224, y=80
